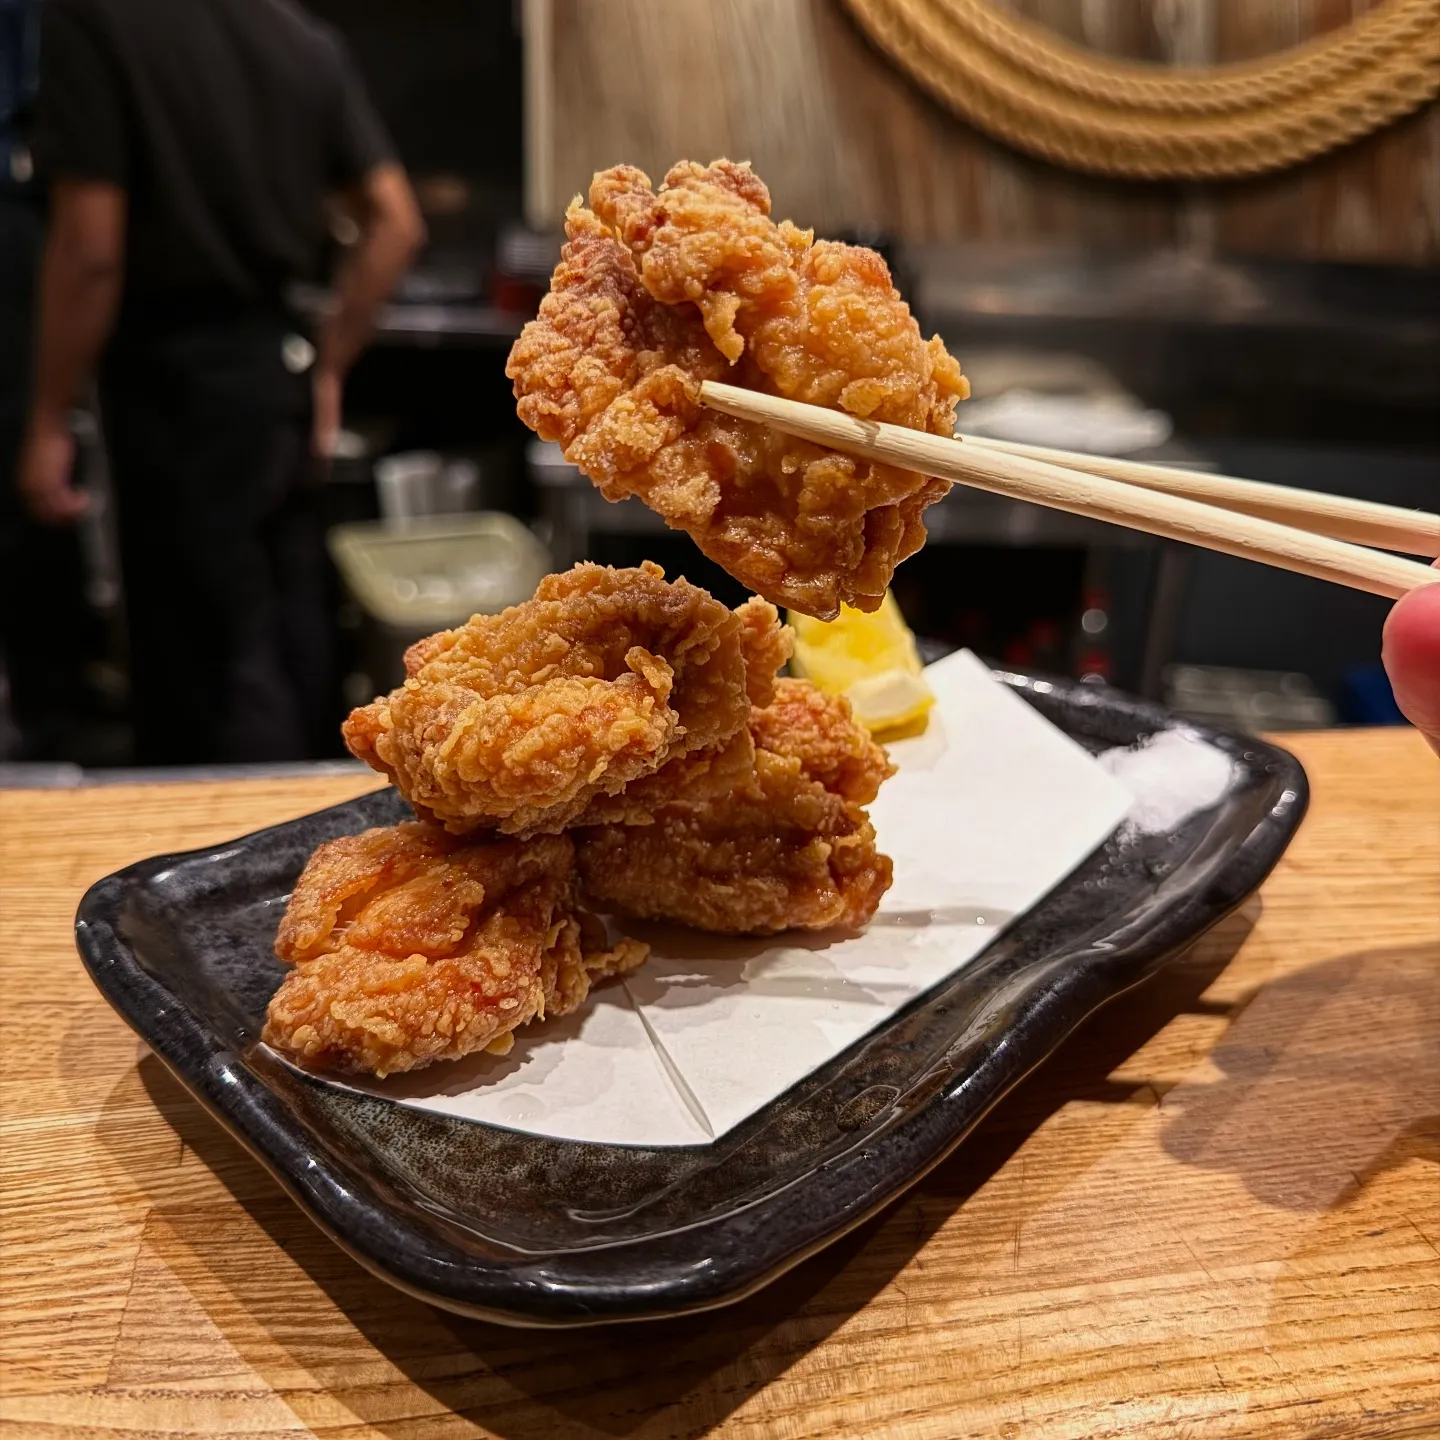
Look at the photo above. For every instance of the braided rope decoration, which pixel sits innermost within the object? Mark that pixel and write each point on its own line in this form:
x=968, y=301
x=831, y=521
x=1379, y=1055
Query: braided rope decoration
x=1039, y=93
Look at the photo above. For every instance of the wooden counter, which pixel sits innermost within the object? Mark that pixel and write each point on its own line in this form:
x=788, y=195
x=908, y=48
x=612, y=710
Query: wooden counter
x=1214, y=1213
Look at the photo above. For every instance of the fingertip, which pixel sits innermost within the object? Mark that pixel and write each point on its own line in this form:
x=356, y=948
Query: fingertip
x=1411, y=653
x=1413, y=625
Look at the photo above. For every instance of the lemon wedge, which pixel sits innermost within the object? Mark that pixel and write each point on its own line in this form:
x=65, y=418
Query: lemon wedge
x=871, y=659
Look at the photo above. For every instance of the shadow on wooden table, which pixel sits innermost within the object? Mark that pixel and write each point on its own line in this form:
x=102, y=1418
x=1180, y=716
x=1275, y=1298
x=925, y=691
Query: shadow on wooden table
x=1330, y=1078
x=430, y=1371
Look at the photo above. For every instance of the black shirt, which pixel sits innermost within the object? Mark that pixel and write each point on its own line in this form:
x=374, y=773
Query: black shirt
x=19, y=46
x=225, y=121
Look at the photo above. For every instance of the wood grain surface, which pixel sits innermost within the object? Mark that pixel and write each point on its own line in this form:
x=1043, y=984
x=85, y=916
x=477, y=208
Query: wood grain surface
x=844, y=139
x=1214, y=1213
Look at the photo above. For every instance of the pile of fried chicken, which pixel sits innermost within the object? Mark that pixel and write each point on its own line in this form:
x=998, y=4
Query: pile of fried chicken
x=621, y=745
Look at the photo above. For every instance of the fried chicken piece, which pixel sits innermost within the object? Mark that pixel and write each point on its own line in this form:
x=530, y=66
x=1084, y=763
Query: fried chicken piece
x=609, y=693
x=657, y=291
x=789, y=849
x=820, y=732
x=411, y=946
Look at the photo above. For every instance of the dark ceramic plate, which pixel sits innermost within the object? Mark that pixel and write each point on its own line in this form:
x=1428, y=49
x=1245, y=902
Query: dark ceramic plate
x=550, y=1232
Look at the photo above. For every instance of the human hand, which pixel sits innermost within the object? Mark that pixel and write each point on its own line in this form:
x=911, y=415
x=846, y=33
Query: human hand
x=326, y=390
x=47, y=475
x=1411, y=652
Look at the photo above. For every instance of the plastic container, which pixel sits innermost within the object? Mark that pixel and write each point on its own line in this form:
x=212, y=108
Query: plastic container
x=438, y=572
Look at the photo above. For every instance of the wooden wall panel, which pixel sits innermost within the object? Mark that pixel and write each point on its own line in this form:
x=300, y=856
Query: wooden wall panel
x=843, y=139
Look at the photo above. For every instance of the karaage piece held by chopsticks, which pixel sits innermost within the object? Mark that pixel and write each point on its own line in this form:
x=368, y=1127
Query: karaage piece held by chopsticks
x=611, y=692
x=789, y=849
x=657, y=291
x=411, y=946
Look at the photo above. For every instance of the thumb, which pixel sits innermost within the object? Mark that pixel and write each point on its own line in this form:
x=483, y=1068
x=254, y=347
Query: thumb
x=1411, y=652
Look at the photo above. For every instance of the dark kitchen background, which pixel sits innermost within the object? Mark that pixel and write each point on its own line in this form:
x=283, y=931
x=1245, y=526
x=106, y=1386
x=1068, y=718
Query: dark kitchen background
x=1283, y=328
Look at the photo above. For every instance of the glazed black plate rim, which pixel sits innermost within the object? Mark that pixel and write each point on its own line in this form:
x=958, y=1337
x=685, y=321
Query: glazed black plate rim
x=578, y=1287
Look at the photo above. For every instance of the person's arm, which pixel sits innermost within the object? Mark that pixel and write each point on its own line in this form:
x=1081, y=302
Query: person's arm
x=82, y=147
x=81, y=276
x=391, y=232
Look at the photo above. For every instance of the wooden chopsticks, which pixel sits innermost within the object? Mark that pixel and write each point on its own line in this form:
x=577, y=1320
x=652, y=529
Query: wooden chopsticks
x=1006, y=469
x=1362, y=522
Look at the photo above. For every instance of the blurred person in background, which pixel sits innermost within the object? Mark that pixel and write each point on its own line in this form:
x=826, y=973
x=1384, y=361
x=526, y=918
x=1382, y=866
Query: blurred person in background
x=189, y=148
x=45, y=623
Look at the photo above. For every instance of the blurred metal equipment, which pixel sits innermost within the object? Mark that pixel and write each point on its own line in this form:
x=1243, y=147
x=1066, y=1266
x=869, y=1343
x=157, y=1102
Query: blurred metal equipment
x=1252, y=700
x=575, y=510
x=524, y=259
x=1167, y=602
x=99, y=541
x=423, y=323
x=421, y=483
x=1243, y=348
x=1097, y=425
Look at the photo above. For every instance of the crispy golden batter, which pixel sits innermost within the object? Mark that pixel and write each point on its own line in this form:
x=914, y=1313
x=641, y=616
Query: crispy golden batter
x=411, y=946
x=788, y=849
x=820, y=732
x=609, y=693
x=658, y=291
